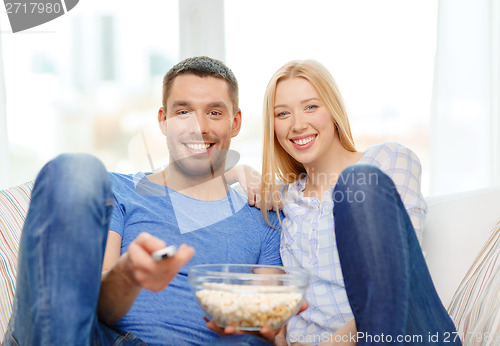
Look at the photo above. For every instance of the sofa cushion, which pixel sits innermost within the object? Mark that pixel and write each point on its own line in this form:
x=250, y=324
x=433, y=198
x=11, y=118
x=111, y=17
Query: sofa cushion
x=475, y=308
x=14, y=204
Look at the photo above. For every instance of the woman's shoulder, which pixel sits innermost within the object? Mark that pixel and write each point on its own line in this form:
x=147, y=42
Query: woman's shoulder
x=380, y=153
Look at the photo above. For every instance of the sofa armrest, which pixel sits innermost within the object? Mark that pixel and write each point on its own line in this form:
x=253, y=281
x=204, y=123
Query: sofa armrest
x=456, y=228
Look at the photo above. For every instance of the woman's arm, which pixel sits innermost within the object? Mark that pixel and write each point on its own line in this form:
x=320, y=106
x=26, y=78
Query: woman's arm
x=345, y=336
x=251, y=181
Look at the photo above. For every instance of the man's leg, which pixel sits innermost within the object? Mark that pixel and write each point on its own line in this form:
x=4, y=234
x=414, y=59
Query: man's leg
x=60, y=256
x=387, y=281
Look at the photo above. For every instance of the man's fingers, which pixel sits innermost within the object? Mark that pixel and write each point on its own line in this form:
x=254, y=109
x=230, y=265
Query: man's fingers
x=150, y=243
x=149, y=273
x=183, y=255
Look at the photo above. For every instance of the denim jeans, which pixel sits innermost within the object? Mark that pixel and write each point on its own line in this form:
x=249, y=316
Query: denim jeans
x=386, y=278
x=60, y=258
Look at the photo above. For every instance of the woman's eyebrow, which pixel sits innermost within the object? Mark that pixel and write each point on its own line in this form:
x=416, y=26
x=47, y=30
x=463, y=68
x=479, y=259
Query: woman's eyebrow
x=304, y=101
x=309, y=100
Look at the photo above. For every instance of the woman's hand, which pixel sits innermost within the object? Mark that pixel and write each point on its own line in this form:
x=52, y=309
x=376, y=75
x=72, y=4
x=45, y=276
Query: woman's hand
x=250, y=180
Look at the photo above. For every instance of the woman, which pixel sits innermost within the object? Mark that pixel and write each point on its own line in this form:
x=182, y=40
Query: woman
x=345, y=220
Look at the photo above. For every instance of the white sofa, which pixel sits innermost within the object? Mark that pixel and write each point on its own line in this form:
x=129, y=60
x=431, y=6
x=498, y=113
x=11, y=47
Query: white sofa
x=457, y=227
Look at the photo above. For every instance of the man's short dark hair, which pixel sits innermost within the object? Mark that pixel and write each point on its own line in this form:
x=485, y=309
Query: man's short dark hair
x=202, y=66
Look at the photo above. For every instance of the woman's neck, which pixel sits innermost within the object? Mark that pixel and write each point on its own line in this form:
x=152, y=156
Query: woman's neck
x=324, y=174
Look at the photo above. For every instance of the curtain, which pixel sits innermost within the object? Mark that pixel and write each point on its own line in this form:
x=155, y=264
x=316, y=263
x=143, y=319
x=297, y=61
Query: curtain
x=465, y=107
x=4, y=152
x=201, y=28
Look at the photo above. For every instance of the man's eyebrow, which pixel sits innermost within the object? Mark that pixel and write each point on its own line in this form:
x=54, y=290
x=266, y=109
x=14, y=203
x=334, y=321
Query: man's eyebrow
x=217, y=105
x=180, y=103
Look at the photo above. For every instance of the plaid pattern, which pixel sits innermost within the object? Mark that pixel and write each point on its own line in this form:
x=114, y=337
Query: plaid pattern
x=308, y=241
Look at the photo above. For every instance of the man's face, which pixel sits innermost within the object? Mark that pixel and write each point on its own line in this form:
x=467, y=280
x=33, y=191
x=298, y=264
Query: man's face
x=199, y=123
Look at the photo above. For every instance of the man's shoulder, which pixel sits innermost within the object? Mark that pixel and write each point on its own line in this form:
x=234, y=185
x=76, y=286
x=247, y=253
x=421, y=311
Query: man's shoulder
x=254, y=216
x=122, y=183
x=119, y=177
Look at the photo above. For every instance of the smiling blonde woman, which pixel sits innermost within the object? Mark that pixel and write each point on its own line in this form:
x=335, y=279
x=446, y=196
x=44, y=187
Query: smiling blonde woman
x=353, y=219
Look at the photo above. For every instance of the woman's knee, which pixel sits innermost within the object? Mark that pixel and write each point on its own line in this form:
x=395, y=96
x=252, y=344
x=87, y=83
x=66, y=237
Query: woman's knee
x=356, y=180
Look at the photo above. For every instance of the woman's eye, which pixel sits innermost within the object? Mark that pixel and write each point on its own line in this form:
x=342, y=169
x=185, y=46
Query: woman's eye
x=311, y=107
x=281, y=115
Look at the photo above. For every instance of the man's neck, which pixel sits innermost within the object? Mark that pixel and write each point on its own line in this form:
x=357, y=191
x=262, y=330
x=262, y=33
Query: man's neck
x=205, y=187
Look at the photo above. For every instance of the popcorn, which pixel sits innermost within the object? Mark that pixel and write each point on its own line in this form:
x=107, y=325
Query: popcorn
x=249, y=307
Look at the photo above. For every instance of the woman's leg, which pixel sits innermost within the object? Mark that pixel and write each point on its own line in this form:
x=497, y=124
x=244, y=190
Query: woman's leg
x=387, y=281
x=60, y=256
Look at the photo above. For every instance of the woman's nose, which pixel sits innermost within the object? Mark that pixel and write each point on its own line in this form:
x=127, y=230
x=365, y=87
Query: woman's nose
x=299, y=122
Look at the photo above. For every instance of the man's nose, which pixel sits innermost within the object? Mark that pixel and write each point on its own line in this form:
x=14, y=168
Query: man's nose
x=199, y=123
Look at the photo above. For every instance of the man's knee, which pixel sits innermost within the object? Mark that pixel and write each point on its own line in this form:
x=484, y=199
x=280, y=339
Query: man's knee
x=73, y=177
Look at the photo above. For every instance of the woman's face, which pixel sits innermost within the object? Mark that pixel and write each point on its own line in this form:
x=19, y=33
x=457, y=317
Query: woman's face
x=302, y=123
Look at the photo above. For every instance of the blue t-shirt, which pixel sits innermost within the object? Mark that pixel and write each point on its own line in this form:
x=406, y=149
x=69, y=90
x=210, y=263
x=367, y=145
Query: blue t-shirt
x=222, y=231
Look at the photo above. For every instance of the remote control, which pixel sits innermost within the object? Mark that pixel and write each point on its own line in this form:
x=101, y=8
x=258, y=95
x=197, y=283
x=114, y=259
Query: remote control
x=161, y=254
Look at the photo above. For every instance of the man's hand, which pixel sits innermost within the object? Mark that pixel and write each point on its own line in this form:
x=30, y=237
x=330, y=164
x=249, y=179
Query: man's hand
x=266, y=333
x=148, y=273
x=134, y=270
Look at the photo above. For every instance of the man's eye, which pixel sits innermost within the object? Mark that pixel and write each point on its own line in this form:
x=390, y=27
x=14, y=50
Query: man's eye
x=214, y=113
x=183, y=113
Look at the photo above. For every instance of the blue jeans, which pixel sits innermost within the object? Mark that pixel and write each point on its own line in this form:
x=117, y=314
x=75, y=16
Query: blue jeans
x=60, y=258
x=386, y=278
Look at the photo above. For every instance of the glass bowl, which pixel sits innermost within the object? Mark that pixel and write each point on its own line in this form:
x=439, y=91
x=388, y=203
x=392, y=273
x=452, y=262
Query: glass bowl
x=249, y=296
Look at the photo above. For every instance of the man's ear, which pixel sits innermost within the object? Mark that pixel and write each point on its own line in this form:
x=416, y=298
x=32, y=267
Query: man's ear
x=236, y=123
x=162, y=120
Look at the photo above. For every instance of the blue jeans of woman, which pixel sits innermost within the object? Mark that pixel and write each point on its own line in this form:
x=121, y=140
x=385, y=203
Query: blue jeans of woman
x=60, y=258
x=387, y=281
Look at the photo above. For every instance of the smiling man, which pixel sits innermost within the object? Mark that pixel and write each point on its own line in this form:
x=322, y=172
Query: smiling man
x=62, y=298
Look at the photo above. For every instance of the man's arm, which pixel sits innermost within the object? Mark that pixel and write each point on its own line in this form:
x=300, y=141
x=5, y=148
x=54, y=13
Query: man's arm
x=124, y=276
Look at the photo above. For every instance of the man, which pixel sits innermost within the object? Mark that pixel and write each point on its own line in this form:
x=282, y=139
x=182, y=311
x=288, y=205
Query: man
x=63, y=247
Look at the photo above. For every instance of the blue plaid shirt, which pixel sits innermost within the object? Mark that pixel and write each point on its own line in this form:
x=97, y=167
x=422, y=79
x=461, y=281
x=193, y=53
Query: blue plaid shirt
x=308, y=241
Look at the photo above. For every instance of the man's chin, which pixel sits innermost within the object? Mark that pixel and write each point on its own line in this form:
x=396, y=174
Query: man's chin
x=196, y=170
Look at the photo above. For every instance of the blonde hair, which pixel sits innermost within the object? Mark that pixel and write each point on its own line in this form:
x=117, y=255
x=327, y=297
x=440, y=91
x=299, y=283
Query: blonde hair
x=277, y=163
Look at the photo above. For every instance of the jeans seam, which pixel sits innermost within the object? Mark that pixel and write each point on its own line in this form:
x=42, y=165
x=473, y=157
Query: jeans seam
x=11, y=337
x=45, y=318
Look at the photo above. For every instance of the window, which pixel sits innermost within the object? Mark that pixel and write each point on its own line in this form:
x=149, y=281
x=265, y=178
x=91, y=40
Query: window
x=88, y=81
x=381, y=54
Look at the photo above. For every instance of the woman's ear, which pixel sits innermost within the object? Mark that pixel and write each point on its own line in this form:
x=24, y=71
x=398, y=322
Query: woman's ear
x=162, y=120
